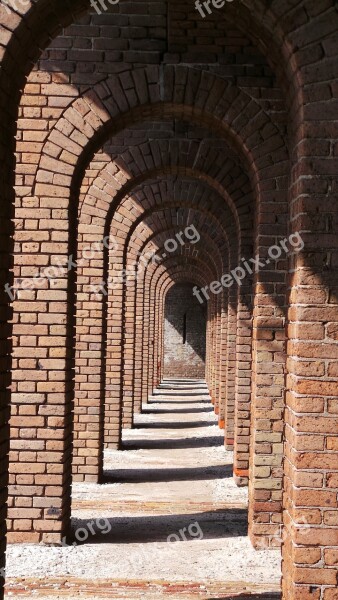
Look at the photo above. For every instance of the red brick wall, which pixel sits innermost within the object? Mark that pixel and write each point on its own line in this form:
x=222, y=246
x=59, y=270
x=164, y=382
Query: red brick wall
x=233, y=91
x=68, y=61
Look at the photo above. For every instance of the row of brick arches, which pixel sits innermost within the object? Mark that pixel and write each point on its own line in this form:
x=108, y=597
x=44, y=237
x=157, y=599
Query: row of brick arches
x=151, y=154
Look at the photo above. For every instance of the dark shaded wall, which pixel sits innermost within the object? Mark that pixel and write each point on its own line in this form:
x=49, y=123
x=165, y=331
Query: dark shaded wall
x=184, y=334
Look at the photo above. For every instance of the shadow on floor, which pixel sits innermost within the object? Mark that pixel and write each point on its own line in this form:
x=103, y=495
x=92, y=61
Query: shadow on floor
x=179, y=394
x=202, y=442
x=183, y=382
x=175, y=425
x=207, y=402
x=163, y=411
x=182, y=474
x=216, y=524
x=265, y=596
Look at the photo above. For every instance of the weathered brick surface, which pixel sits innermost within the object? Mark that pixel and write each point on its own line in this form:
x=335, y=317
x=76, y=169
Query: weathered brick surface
x=243, y=136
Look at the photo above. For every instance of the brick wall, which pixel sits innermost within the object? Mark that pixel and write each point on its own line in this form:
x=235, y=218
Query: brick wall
x=54, y=104
x=70, y=108
x=184, y=334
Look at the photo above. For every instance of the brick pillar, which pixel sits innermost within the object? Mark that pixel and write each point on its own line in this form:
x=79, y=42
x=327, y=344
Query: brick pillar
x=128, y=345
x=208, y=347
x=218, y=332
x=151, y=320
x=145, y=352
x=211, y=347
x=151, y=346
x=5, y=379
x=310, y=549
x=268, y=383
x=41, y=423
x=231, y=373
x=243, y=380
x=91, y=324
x=161, y=348
x=114, y=357
x=154, y=308
x=214, y=355
x=138, y=344
x=158, y=325
x=223, y=358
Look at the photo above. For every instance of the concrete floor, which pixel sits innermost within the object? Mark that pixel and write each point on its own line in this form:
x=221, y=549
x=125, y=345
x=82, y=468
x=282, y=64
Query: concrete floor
x=168, y=520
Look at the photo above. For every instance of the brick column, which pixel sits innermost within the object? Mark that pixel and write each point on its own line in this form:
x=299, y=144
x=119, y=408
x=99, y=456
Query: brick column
x=128, y=342
x=268, y=381
x=41, y=423
x=223, y=359
x=138, y=344
x=310, y=549
x=145, y=352
x=243, y=380
x=231, y=370
x=91, y=325
x=5, y=361
x=158, y=325
x=151, y=330
x=207, y=355
x=211, y=346
x=4, y=393
x=217, y=353
x=114, y=359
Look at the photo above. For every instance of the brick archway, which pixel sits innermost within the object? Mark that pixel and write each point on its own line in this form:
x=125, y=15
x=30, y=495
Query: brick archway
x=95, y=112
x=283, y=31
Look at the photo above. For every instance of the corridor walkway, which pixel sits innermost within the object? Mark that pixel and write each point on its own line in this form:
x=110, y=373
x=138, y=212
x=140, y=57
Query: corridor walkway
x=167, y=521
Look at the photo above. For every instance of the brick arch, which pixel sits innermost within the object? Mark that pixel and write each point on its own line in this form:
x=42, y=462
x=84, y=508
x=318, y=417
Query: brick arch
x=154, y=269
x=96, y=109
x=213, y=302
x=227, y=404
x=159, y=271
x=111, y=425
x=126, y=339
x=179, y=275
x=291, y=38
x=270, y=32
x=106, y=187
x=115, y=370
x=164, y=203
x=223, y=245
x=93, y=117
x=106, y=117
x=155, y=280
x=269, y=27
x=165, y=281
x=165, y=278
x=142, y=201
x=119, y=187
x=276, y=157
x=219, y=269
x=133, y=197
x=193, y=150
